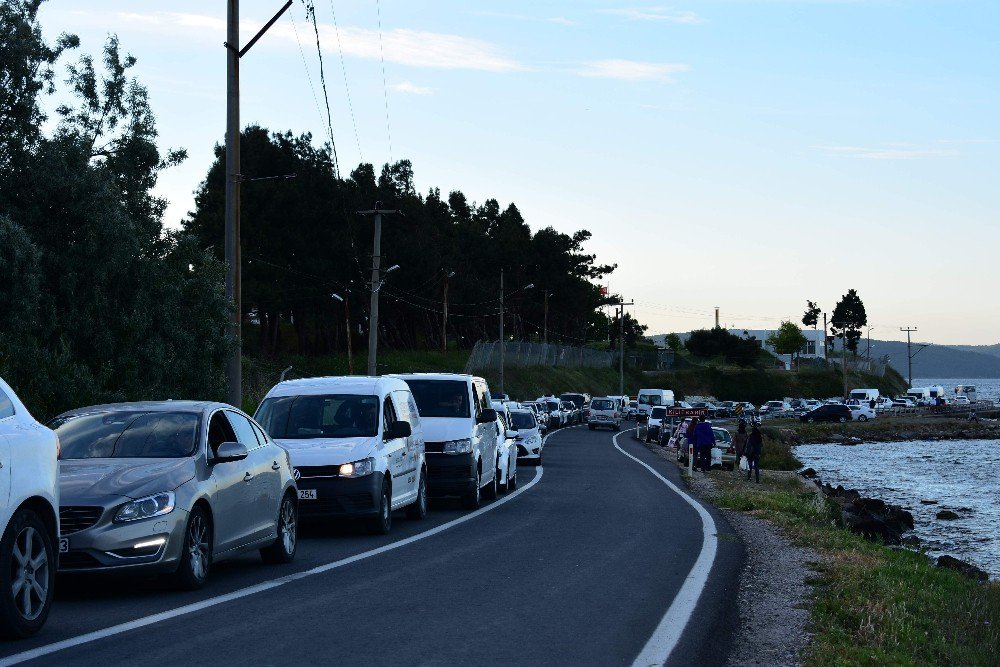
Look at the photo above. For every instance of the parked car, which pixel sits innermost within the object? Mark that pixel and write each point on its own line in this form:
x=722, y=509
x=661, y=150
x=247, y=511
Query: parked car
x=579, y=401
x=356, y=446
x=171, y=487
x=29, y=453
x=711, y=407
x=632, y=410
x=506, y=457
x=961, y=400
x=604, y=411
x=723, y=454
x=557, y=416
x=573, y=414
x=654, y=425
x=725, y=409
x=529, y=438
x=775, y=409
x=861, y=413
x=883, y=403
x=828, y=413
x=904, y=402
x=460, y=434
x=541, y=416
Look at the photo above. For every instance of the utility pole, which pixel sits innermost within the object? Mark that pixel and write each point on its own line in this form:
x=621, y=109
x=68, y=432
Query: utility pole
x=826, y=348
x=448, y=275
x=909, y=355
x=376, y=284
x=621, y=346
x=234, y=368
x=716, y=317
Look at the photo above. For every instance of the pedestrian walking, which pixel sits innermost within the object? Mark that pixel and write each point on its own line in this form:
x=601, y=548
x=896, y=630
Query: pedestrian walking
x=753, y=449
x=740, y=441
x=705, y=439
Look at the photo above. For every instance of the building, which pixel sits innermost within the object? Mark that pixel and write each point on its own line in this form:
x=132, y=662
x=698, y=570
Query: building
x=813, y=349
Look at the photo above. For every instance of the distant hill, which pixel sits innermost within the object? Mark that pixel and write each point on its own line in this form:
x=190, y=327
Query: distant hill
x=934, y=361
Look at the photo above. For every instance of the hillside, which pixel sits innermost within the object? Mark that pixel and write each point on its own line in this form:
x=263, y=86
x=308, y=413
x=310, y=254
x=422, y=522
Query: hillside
x=936, y=361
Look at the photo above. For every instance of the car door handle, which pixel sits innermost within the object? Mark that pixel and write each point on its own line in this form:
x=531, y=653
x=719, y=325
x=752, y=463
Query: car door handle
x=275, y=466
x=247, y=477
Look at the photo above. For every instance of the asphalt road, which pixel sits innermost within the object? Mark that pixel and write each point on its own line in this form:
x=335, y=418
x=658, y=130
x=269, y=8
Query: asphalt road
x=579, y=566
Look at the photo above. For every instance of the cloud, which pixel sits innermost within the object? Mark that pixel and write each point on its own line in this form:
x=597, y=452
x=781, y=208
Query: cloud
x=410, y=88
x=402, y=46
x=559, y=20
x=655, y=14
x=632, y=70
x=888, y=152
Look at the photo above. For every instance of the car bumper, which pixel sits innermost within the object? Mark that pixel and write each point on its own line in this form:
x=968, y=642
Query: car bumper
x=340, y=497
x=451, y=475
x=529, y=452
x=111, y=547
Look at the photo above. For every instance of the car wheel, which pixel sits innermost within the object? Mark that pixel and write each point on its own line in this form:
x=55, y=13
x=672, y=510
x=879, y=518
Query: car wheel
x=27, y=575
x=538, y=461
x=863, y=418
x=493, y=488
x=196, y=555
x=381, y=523
x=842, y=419
x=473, y=499
x=285, y=545
x=418, y=510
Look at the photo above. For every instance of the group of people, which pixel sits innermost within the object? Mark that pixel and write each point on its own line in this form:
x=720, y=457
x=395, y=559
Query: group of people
x=750, y=445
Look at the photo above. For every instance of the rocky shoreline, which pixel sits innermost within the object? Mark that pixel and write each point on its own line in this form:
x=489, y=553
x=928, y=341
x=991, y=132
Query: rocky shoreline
x=886, y=429
x=874, y=519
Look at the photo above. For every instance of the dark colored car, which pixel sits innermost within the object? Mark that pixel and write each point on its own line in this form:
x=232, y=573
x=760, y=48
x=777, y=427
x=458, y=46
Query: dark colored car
x=828, y=413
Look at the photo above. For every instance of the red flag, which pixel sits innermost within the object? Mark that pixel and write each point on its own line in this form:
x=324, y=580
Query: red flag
x=604, y=290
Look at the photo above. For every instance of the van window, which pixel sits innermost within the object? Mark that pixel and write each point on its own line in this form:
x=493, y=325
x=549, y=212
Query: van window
x=441, y=398
x=6, y=406
x=322, y=416
x=650, y=399
x=601, y=404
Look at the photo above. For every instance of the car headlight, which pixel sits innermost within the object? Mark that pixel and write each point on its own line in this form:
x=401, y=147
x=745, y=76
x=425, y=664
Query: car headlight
x=157, y=504
x=358, y=468
x=463, y=446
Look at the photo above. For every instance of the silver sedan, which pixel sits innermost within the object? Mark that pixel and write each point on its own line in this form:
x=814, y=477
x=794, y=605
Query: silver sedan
x=170, y=486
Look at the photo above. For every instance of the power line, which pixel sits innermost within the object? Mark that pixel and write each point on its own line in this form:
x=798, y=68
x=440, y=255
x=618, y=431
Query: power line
x=385, y=87
x=311, y=12
x=305, y=65
x=343, y=68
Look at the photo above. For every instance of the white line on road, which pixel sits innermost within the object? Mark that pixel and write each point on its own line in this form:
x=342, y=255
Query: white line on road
x=259, y=588
x=671, y=627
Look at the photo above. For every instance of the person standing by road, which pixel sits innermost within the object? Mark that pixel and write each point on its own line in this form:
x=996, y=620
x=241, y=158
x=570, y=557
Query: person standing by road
x=740, y=440
x=753, y=449
x=704, y=441
x=692, y=442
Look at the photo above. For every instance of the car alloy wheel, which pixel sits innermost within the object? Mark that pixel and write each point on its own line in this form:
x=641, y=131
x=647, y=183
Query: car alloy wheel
x=198, y=547
x=842, y=420
x=381, y=523
x=418, y=510
x=30, y=588
x=282, y=550
x=862, y=418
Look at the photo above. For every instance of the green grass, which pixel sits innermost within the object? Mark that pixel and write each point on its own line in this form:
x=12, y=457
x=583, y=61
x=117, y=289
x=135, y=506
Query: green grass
x=873, y=604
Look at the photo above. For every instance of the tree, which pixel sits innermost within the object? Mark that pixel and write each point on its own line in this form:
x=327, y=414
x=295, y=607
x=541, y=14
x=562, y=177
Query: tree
x=673, y=342
x=633, y=331
x=788, y=339
x=848, y=319
x=811, y=317
x=717, y=342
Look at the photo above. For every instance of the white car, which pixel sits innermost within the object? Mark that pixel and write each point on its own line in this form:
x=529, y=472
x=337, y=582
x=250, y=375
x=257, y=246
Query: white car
x=961, y=400
x=604, y=411
x=529, y=438
x=460, y=433
x=356, y=446
x=653, y=425
x=557, y=416
x=506, y=457
x=861, y=413
x=29, y=491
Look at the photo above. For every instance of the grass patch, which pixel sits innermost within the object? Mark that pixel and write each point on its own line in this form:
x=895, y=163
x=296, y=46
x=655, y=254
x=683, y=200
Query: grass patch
x=873, y=604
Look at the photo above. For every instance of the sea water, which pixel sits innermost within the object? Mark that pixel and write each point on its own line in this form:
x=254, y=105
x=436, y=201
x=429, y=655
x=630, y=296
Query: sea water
x=958, y=475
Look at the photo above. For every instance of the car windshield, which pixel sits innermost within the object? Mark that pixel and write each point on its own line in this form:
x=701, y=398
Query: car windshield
x=600, y=404
x=441, y=398
x=130, y=434
x=319, y=416
x=649, y=399
x=523, y=420
x=658, y=413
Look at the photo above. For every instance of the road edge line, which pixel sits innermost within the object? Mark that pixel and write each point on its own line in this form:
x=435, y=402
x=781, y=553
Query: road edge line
x=671, y=627
x=97, y=635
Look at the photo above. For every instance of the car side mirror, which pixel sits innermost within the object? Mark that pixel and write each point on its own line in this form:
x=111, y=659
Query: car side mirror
x=398, y=429
x=487, y=416
x=229, y=452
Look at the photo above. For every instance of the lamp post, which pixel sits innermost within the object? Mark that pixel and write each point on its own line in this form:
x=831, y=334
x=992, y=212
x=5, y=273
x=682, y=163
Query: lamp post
x=503, y=342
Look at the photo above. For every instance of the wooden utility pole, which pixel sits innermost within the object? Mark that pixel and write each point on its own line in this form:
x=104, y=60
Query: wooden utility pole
x=376, y=285
x=234, y=369
x=444, y=317
x=347, y=329
x=621, y=346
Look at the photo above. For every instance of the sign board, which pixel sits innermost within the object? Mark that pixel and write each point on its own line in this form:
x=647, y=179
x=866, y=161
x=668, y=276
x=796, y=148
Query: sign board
x=738, y=410
x=687, y=412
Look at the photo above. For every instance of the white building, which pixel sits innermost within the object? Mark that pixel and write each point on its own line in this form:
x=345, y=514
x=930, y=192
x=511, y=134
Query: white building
x=813, y=347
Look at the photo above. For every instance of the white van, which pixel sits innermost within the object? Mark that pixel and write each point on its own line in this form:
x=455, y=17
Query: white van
x=652, y=397
x=605, y=411
x=462, y=439
x=356, y=446
x=863, y=396
x=28, y=516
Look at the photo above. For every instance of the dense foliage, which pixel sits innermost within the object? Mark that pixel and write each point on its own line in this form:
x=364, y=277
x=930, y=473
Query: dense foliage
x=303, y=239
x=718, y=343
x=849, y=317
x=788, y=339
x=98, y=303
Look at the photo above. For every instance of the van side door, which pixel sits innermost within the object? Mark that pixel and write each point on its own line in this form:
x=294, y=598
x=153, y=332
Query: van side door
x=395, y=452
x=486, y=434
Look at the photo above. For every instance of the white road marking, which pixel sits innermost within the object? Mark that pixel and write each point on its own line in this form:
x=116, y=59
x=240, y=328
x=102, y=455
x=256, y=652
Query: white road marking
x=153, y=619
x=671, y=627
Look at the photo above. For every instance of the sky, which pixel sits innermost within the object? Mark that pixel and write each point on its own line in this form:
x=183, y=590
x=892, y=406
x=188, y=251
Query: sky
x=741, y=154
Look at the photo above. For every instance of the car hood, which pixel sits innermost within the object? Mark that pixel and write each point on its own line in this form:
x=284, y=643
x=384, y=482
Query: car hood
x=86, y=480
x=328, y=451
x=443, y=429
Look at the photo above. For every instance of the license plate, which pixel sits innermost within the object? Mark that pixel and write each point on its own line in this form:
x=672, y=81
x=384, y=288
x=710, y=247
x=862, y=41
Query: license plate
x=64, y=545
x=307, y=494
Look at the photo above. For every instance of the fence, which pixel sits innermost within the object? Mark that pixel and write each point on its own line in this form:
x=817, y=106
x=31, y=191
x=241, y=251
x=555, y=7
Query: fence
x=486, y=354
